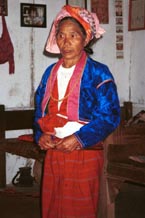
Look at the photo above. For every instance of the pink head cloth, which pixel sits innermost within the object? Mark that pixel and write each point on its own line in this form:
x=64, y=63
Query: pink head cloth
x=88, y=20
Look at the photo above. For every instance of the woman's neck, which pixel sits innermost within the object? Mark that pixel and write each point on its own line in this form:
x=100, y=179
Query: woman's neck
x=67, y=63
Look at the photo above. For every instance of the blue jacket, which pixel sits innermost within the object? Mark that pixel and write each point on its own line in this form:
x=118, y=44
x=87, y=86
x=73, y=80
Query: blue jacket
x=98, y=103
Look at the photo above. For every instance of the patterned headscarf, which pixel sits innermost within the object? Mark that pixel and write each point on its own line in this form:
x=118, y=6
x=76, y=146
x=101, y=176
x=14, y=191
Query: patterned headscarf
x=87, y=19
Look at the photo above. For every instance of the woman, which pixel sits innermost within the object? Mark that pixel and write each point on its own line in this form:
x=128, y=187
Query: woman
x=77, y=107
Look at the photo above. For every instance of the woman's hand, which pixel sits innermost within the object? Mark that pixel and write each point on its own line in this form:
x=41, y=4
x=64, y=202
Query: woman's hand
x=46, y=142
x=68, y=144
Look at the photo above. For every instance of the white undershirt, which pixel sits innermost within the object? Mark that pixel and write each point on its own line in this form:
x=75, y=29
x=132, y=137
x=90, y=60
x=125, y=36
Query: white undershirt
x=63, y=78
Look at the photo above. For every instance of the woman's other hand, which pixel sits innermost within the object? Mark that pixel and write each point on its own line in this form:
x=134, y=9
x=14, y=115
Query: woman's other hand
x=68, y=144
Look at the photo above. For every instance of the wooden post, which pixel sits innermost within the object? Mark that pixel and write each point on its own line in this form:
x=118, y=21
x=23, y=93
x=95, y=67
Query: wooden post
x=2, y=154
x=128, y=110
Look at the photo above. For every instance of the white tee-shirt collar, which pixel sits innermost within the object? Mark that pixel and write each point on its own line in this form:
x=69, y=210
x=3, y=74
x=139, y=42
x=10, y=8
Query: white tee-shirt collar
x=63, y=78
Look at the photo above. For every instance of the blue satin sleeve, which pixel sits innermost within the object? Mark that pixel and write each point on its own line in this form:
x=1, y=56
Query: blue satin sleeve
x=101, y=107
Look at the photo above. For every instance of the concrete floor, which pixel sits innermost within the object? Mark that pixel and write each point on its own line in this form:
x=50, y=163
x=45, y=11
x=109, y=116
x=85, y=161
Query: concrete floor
x=25, y=202
x=130, y=202
x=20, y=202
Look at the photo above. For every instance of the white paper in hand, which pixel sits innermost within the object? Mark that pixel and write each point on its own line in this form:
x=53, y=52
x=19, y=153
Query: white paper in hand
x=68, y=129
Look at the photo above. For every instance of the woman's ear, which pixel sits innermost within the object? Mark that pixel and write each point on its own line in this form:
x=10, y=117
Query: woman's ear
x=85, y=43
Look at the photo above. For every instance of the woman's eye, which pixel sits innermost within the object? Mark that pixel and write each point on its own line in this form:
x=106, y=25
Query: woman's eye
x=60, y=36
x=74, y=35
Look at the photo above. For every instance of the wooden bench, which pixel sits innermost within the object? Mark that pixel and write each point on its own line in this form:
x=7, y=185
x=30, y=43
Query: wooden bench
x=16, y=120
x=121, y=168
x=106, y=205
x=126, y=141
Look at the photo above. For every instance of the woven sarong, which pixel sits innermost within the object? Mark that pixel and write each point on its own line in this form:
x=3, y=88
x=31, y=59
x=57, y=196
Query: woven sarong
x=71, y=184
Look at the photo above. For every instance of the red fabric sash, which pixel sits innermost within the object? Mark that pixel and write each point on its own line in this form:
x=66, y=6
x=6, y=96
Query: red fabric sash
x=51, y=120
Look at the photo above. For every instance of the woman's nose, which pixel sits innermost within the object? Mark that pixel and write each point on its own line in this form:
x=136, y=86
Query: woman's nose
x=66, y=40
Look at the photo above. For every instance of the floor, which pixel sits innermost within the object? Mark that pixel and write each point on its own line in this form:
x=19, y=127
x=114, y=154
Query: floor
x=130, y=202
x=20, y=202
x=24, y=202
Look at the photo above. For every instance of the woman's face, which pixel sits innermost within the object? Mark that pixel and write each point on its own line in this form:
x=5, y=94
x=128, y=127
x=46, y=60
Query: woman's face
x=71, y=42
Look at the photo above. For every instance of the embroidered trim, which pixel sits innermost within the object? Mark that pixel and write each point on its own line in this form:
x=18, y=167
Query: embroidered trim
x=105, y=81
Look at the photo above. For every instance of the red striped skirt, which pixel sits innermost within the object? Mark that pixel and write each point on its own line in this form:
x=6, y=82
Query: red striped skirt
x=71, y=184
